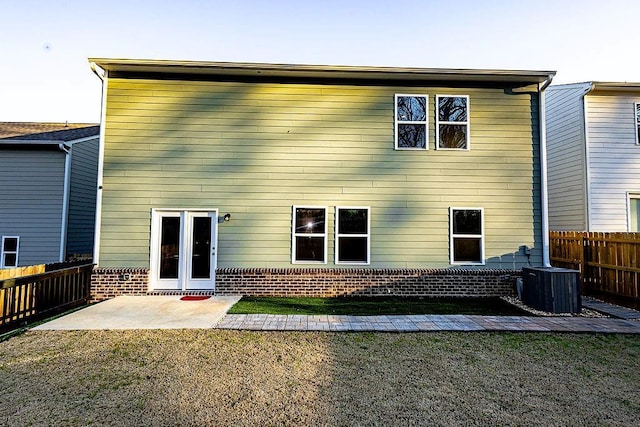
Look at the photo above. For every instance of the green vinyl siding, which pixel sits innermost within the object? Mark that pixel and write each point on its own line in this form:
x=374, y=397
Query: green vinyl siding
x=256, y=149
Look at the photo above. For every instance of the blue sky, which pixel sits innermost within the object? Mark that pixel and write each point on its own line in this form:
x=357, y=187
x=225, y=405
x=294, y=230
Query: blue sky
x=44, y=45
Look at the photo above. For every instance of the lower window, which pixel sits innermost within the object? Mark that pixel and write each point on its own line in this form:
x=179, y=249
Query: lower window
x=309, y=243
x=352, y=235
x=9, y=254
x=467, y=235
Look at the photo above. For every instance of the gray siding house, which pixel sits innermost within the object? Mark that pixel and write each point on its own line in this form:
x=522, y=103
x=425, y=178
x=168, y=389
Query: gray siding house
x=48, y=175
x=301, y=179
x=594, y=156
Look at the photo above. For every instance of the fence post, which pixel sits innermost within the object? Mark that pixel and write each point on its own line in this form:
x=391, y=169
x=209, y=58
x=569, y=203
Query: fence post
x=583, y=263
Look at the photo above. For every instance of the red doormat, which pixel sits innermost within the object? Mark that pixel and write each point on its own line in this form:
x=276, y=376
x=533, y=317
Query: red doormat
x=195, y=297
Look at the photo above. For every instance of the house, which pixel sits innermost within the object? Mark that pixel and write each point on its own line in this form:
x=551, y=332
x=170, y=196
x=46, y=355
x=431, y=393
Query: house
x=48, y=175
x=594, y=156
x=271, y=179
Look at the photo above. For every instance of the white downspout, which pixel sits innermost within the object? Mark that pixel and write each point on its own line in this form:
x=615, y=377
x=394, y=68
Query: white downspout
x=103, y=114
x=65, y=202
x=587, y=169
x=546, y=259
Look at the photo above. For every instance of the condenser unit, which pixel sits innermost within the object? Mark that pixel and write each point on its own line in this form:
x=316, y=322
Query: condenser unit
x=552, y=289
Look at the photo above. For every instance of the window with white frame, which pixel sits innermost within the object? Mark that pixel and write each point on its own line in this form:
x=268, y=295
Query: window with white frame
x=637, y=105
x=352, y=235
x=309, y=241
x=10, y=249
x=466, y=232
x=452, y=122
x=411, y=122
x=634, y=212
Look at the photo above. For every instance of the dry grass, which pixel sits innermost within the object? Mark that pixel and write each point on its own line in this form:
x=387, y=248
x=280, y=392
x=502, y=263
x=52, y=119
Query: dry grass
x=214, y=377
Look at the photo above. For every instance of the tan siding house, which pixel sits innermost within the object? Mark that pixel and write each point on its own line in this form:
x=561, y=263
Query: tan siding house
x=594, y=156
x=317, y=169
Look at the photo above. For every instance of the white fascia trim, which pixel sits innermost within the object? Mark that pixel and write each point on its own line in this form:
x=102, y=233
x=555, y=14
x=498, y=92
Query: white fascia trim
x=103, y=121
x=81, y=140
x=475, y=236
x=294, y=234
x=466, y=123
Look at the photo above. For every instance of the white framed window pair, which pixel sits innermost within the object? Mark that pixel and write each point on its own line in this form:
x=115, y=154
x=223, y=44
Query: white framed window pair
x=452, y=123
x=310, y=235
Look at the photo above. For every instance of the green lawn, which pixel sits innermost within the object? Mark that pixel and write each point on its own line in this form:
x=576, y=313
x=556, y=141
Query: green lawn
x=209, y=377
x=370, y=306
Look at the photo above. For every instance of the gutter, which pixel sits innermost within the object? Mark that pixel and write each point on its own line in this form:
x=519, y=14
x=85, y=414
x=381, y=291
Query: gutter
x=103, y=115
x=65, y=201
x=546, y=259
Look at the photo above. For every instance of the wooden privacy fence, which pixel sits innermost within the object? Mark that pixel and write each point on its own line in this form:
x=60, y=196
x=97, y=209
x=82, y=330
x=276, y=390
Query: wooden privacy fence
x=9, y=273
x=36, y=296
x=609, y=262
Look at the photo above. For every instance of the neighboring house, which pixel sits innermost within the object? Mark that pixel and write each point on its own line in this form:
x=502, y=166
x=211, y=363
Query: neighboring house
x=594, y=156
x=297, y=179
x=48, y=176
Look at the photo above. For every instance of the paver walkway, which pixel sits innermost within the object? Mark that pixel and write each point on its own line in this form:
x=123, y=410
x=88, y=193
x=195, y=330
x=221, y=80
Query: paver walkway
x=612, y=310
x=420, y=323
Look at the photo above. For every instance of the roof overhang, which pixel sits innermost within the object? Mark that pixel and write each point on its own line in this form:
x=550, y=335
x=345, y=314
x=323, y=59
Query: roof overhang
x=320, y=72
x=34, y=144
x=616, y=86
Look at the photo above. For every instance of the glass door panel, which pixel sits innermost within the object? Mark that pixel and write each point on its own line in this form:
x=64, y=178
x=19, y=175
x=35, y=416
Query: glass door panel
x=201, y=261
x=201, y=248
x=170, y=248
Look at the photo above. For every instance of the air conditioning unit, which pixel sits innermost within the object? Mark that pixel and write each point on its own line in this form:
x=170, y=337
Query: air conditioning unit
x=552, y=289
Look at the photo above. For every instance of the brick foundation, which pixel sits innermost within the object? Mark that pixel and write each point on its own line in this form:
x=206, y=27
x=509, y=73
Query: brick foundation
x=321, y=282
x=111, y=282
x=365, y=282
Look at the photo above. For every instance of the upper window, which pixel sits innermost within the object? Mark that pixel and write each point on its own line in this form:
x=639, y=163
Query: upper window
x=352, y=235
x=309, y=243
x=467, y=236
x=9, y=253
x=411, y=122
x=452, y=122
x=637, y=123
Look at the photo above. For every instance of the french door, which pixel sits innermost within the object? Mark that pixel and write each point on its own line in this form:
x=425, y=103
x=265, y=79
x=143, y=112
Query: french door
x=183, y=249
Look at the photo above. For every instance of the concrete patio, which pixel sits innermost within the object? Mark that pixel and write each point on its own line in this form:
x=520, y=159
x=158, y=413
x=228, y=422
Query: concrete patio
x=145, y=312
